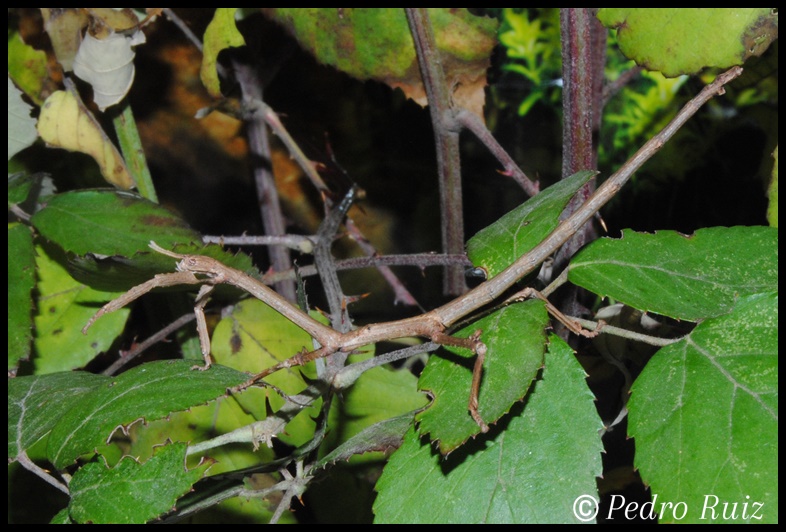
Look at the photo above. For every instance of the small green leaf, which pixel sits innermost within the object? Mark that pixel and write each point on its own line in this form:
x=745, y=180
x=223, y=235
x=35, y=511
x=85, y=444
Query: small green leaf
x=685, y=277
x=530, y=471
x=20, y=185
x=148, y=392
x=220, y=34
x=27, y=67
x=21, y=279
x=499, y=245
x=683, y=41
x=704, y=413
x=63, y=307
x=516, y=341
x=130, y=492
x=37, y=403
x=21, y=126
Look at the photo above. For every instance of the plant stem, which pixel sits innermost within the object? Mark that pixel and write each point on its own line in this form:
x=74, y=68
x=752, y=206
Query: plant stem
x=267, y=194
x=446, y=137
x=133, y=153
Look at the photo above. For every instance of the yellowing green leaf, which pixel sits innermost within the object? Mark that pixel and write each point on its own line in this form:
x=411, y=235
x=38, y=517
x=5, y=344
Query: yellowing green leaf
x=220, y=34
x=66, y=123
x=683, y=41
x=375, y=43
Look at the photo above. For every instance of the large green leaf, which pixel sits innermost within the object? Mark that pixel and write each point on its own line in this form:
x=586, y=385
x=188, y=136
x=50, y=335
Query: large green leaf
x=705, y=417
x=683, y=41
x=110, y=231
x=530, y=469
x=148, y=392
x=375, y=43
x=21, y=279
x=64, y=306
x=685, y=277
x=132, y=492
x=499, y=245
x=36, y=404
x=516, y=342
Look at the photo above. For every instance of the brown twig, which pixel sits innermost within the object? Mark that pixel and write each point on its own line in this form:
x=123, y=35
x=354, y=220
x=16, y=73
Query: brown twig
x=473, y=123
x=267, y=194
x=446, y=137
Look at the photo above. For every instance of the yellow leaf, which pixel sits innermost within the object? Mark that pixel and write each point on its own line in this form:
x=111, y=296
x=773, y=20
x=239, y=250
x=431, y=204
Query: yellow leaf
x=66, y=123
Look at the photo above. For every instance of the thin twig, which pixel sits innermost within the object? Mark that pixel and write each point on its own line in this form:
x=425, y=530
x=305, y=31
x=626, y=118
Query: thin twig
x=303, y=244
x=402, y=295
x=140, y=348
x=267, y=194
x=446, y=137
x=472, y=122
x=41, y=473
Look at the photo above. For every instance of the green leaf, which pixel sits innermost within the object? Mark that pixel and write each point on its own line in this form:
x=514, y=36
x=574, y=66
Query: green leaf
x=20, y=185
x=685, y=277
x=108, y=222
x=21, y=126
x=684, y=41
x=529, y=471
x=21, y=279
x=110, y=232
x=64, y=306
x=254, y=337
x=704, y=413
x=37, y=403
x=499, y=245
x=376, y=43
x=148, y=392
x=516, y=342
x=130, y=492
x=220, y=34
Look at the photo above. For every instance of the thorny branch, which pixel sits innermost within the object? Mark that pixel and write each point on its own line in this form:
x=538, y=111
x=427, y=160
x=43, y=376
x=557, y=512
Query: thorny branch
x=197, y=269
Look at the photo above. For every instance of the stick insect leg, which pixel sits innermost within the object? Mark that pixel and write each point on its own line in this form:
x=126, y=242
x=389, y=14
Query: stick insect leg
x=204, y=337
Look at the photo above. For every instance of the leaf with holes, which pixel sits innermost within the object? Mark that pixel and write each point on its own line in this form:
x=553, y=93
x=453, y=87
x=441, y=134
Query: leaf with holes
x=132, y=492
x=684, y=277
x=704, y=413
x=150, y=391
x=516, y=342
x=530, y=470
